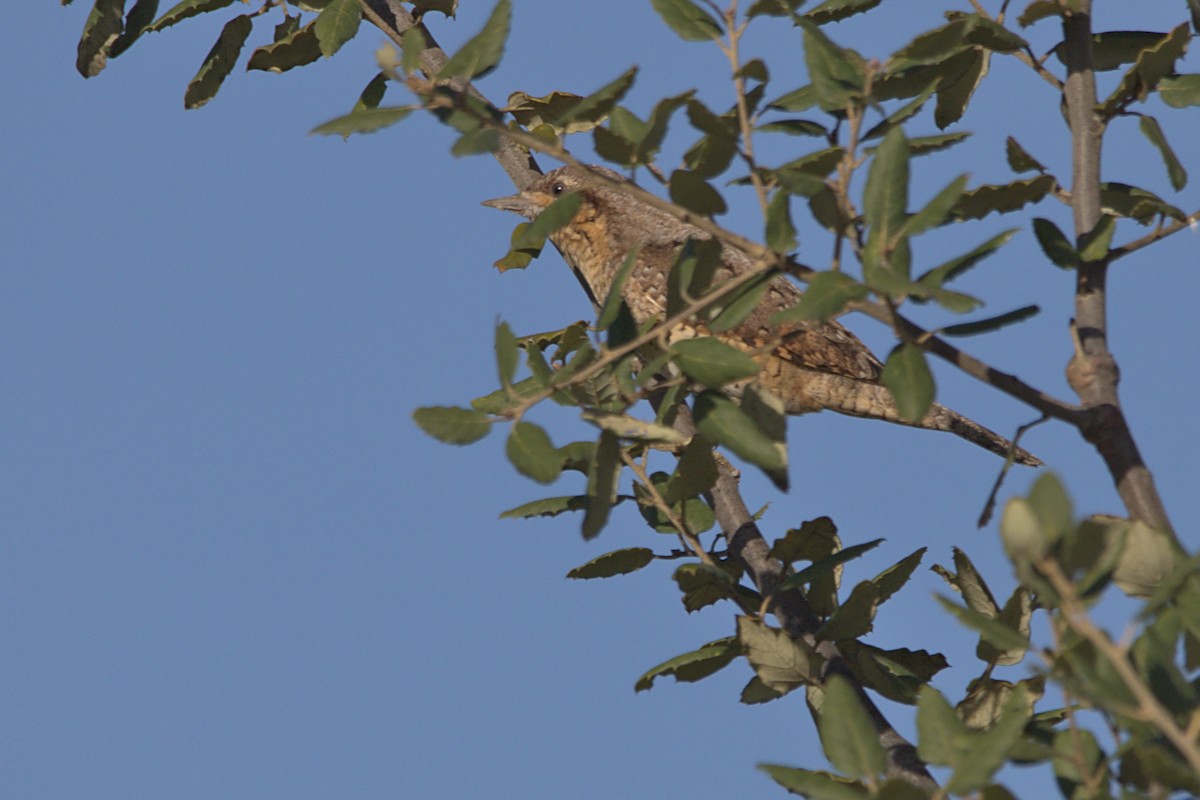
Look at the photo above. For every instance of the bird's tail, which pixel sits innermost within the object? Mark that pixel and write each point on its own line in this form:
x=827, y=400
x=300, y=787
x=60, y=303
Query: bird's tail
x=944, y=419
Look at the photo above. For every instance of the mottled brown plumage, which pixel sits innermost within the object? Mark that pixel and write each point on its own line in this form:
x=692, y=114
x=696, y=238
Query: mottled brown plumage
x=811, y=366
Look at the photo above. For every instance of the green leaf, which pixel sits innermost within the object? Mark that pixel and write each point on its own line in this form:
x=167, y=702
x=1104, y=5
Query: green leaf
x=372, y=94
x=1055, y=244
x=618, y=562
x=979, y=202
x=994, y=631
x=848, y=735
x=892, y=579
x=104, y=25
x=452, y=424
x=827, y=295
x=900, y=115
x=967, y=581
x=628, y=427
x=1180, y=91
x=693, y=666
x=1019, y=159
x=505, y=399
x=695, y=472
x=855, y=617
x=1093, y=245
x=1039, y=10
x=556, y=215
x=988, y=751
x=940, y=734
x=446, y=7
x=1152, y=65
x=964, y=72
x=1021, y=532
x=691, y=275
x=296, y=50
x=722, y=421
x=187, y=8
x=1175, y=171
x=732, y=310
x=219, y=62
x=796, y=100
x=885, y=203
x=944, y=273
x=613, y=303
x=546, y=507
x=991, y=323
x=703, y=584
x=907, y=377
x=794, y=127
x=1113, y=49
x=828, y=565
x=688, y=20
x=781, y=662
x=137, y=21
x=837, y=74
x=1148, y=558
x=781, y=232
x=365, y=120
x=507, y=353
x=412, y=45
x=923, y=145
x=691, y=191
x=337, y=24
x=712, y=362
x=603, y=474
x=481, y=54
x=532, y=453
x=1016, y=614
x=1136, y=203
x=814, y=784
x=838, y=10
x=597, y=105
x=937, y=211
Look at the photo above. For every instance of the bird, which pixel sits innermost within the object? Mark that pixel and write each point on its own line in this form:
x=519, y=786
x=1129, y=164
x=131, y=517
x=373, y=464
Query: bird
x=812, y=366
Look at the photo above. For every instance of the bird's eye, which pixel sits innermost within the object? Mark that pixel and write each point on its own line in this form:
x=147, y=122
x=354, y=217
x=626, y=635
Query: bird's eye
x=557, y=189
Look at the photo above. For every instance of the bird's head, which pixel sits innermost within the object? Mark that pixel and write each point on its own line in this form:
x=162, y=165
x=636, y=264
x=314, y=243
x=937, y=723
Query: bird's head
x=534, y=199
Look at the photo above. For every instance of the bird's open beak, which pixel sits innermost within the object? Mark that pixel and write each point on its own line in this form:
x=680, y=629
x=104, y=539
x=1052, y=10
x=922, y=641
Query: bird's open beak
x=516, y=203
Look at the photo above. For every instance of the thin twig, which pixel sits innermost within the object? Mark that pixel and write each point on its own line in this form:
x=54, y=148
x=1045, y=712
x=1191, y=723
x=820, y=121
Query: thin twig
x=1074, y=613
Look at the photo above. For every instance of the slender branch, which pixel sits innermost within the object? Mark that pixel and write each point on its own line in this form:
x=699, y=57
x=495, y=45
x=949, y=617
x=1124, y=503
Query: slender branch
x=1149, y=708
x=1092, y=371
x=685, y=533
x=1156, y=235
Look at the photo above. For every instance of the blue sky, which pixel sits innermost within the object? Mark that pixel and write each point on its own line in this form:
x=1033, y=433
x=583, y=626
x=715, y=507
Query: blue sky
x=231, y=566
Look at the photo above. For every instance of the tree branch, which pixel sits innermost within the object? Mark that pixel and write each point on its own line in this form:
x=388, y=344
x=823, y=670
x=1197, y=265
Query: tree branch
x=1092, y=371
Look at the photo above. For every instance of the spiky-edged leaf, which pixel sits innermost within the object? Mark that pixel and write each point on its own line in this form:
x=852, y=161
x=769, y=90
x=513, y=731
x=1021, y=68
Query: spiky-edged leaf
x=219, y=62
x=618, y=562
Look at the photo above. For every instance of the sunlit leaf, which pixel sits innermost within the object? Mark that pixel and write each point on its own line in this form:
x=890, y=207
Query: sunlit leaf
x=366, y=120
x=1153, y=131
x=451, y=424
x=337, y=24
x=689, y=22
x=906, y=375
x=693, y=666
x=531, y=452
x=481, y=54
